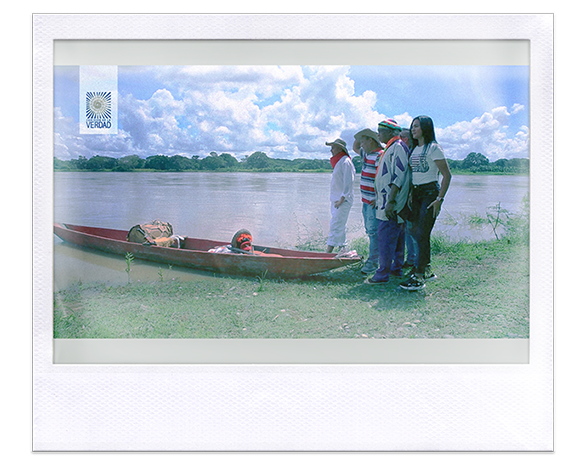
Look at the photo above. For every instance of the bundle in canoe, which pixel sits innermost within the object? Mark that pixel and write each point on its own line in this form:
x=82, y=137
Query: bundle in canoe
x=195, y=253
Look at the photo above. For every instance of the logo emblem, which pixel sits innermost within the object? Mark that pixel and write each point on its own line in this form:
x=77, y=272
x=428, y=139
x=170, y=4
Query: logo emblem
x=98, y=100
x=98, y=105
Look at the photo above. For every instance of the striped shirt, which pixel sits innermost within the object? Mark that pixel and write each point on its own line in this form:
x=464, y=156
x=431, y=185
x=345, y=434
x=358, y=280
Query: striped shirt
x=368, y=169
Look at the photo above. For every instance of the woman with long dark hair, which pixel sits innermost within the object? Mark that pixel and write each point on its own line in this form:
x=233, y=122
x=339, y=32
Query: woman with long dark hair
x=427, y=162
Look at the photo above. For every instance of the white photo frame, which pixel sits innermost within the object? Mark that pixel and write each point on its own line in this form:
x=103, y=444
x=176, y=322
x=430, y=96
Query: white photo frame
x=298, y=406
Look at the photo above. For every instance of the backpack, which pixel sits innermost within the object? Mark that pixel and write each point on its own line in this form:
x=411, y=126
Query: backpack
x=154, y=233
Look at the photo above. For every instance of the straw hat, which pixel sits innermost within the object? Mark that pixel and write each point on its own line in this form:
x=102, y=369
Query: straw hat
x=340, y=143
x=367, y=133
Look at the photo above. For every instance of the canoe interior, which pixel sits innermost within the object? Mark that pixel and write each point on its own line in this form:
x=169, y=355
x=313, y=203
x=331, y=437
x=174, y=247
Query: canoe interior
x=196, y=244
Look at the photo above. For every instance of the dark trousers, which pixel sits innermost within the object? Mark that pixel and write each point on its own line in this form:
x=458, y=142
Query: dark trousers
x=391, y=244
x=422, y=197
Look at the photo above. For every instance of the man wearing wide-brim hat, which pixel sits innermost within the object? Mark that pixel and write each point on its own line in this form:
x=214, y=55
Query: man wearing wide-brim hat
x=368, y=146
x=341, y=195
x=368, y=133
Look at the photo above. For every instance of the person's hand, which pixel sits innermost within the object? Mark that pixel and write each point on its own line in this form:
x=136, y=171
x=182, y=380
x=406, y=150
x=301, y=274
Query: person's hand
x=338, y=203
x=437, y=206
x=390, y=210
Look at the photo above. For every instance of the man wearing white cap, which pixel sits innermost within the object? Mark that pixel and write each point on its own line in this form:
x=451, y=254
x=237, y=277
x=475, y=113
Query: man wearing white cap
x=368, y=146
x=341, y=193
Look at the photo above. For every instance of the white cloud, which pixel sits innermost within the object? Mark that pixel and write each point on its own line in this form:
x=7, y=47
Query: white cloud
x=67, y=143
x=487, y=135
x=152, y=124
x=323, y=107
x=404, y=120
x=517, y=108
x=285, y=111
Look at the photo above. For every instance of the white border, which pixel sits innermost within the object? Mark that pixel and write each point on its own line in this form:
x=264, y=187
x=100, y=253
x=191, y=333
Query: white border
x=291, y=52
x=301, y=407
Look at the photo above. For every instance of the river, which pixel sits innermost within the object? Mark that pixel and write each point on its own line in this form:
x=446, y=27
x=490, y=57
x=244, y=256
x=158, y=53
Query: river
x=280, y=209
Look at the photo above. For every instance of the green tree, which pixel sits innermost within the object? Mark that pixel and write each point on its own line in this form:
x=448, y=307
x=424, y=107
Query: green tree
x=228, y=160
x=519, y=165
x=61, y=165
x=454, y=164
x=129, y=163
x=179, y=163
x=79, y=163
x=474, y=160
x=157, y=162
x=257, y=160
x=212, y=162
x=101, y=163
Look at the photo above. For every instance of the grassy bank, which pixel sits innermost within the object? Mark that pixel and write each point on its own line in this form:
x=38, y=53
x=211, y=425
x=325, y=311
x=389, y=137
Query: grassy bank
x=481, y=292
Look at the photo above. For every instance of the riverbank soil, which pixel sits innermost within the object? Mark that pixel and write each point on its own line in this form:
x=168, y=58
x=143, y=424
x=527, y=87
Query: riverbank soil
x=482, y=291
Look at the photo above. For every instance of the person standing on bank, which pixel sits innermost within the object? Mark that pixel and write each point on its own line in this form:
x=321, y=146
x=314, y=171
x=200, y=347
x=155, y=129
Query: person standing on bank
x=341, y=193
x=411, y=246
x=392, y=183
x=368, y=146
x=427, y=161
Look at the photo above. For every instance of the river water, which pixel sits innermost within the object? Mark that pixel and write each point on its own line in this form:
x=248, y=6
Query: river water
x=280, y=209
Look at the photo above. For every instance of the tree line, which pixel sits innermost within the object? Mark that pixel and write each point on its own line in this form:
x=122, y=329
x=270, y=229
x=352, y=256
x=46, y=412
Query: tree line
x=259, y=161
x=476, y=162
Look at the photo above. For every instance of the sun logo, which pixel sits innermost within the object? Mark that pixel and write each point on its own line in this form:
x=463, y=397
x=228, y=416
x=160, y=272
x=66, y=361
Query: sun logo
x=98, y=105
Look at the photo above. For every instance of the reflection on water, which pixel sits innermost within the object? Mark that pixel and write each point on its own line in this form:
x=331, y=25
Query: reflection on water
x=74, y=265
x=280, y=209
x=471, y=195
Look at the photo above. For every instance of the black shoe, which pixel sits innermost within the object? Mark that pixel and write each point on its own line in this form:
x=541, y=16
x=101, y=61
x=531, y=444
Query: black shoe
x=413, y=271
x=429, y=275
x=414, y=283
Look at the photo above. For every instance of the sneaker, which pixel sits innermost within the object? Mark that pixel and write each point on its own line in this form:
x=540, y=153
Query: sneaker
x=414, y=283
x=368, y=269
x=371, y=281
x=411, y=272
x=429, y=275
x=396, y=273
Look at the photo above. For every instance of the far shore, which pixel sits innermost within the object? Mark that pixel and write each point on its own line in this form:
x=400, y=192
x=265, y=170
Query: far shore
x=265, y=171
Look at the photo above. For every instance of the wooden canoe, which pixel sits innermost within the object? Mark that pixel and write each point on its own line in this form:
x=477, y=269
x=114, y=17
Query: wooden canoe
x=194, y=253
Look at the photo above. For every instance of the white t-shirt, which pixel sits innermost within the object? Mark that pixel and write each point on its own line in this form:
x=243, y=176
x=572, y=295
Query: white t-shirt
x=424, y=169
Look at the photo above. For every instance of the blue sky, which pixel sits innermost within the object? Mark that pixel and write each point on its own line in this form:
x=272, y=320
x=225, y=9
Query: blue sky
x=290, y=111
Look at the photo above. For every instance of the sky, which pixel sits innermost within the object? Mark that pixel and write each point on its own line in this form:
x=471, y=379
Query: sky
x=291, y=111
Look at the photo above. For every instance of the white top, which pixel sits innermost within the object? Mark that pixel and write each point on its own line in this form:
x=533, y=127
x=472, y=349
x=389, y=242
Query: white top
x=343, y=179
x=424, y=169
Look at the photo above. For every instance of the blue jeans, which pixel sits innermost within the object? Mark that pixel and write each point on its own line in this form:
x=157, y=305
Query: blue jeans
x=370, y=222
x=411, y=245
x=391, y=243
x=422, y=197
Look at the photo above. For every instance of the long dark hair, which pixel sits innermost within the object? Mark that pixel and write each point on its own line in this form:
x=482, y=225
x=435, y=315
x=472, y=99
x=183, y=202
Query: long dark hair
x=427, y=126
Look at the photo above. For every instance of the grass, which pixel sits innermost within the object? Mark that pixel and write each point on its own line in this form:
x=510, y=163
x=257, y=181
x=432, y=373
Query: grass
x=481, y=292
